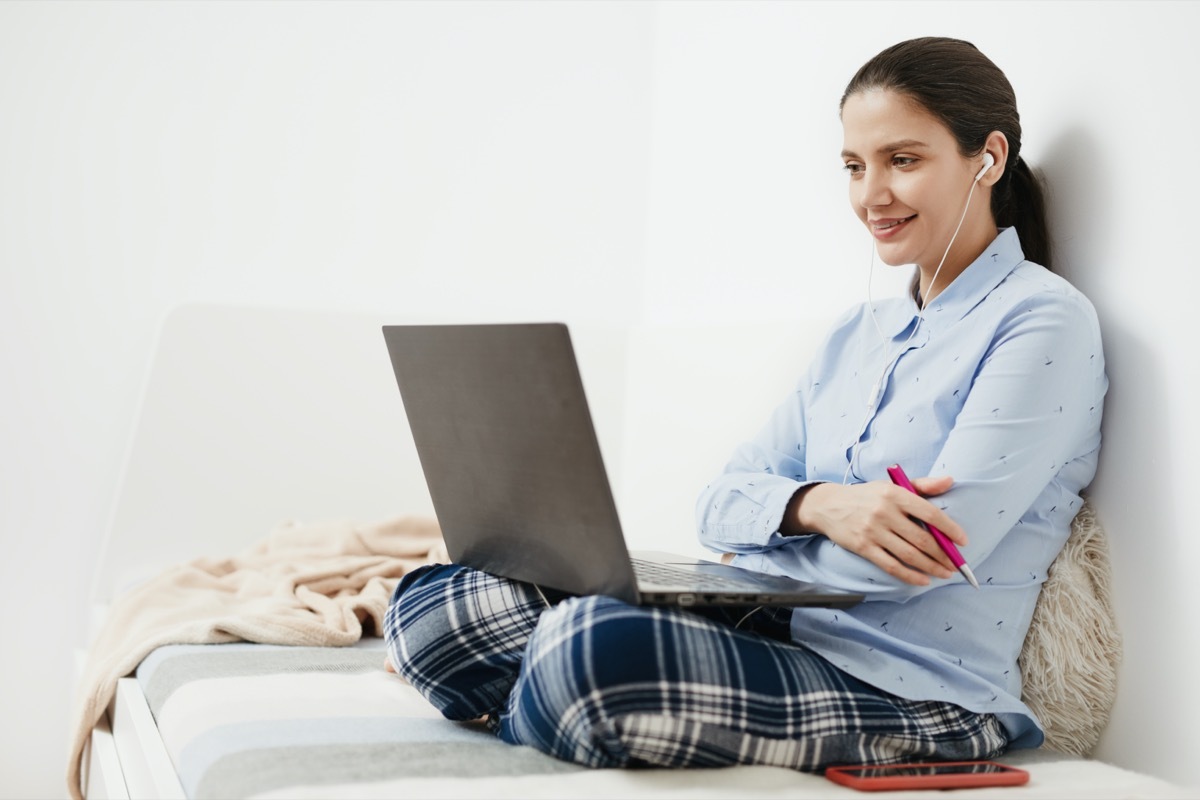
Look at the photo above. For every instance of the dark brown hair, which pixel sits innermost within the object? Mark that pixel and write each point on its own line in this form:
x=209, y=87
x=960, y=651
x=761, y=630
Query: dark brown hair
x=961, y=86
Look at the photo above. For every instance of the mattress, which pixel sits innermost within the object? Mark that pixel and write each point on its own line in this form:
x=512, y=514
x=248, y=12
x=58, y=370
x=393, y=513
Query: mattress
x=252, y=720
x=242, y=719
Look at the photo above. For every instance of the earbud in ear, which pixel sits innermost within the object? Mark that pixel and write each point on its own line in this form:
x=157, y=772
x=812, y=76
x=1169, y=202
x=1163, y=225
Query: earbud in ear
x=988, y=162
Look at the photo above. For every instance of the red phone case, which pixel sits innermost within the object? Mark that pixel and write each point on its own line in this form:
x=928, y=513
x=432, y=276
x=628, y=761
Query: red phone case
x=931, y=775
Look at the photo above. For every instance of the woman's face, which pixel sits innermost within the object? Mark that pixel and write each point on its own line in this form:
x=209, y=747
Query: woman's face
x=908, y=182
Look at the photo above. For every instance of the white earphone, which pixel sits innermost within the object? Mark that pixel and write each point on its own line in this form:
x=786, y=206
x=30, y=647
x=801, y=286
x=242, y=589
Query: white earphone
x=988, y=163
x=877, y=390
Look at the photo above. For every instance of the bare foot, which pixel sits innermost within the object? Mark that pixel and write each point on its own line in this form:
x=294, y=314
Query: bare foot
x=387, y=665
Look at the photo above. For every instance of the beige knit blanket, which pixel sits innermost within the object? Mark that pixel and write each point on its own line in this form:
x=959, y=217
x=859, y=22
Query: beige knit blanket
x=314, y=585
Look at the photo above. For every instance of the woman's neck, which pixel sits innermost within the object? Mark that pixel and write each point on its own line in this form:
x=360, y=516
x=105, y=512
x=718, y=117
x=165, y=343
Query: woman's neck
x=967, y=247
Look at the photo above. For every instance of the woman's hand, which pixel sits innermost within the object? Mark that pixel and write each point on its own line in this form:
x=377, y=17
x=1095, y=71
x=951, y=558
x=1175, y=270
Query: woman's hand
x=875, y=521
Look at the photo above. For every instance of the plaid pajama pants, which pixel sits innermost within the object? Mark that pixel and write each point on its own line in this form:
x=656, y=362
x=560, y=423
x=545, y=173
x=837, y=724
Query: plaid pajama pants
x=596, y=681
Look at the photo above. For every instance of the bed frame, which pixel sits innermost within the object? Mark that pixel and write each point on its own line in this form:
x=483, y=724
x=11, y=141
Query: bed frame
x=254, y=416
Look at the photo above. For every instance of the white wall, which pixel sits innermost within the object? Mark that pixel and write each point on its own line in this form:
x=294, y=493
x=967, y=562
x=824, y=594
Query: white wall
x=748, y=218
x=484, y=159
x=594, y=162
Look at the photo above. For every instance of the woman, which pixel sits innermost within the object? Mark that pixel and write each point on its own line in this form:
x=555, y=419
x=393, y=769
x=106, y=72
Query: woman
x=989, y=378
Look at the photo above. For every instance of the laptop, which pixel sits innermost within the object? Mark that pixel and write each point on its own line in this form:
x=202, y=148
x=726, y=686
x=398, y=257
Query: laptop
x=506, y=442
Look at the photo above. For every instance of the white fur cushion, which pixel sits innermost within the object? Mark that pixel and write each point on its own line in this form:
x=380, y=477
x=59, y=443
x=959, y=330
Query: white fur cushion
x=1073, y=648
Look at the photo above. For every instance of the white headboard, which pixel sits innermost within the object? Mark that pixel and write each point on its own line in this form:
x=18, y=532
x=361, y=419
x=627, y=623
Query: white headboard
x=254, y=416
x=251, y=417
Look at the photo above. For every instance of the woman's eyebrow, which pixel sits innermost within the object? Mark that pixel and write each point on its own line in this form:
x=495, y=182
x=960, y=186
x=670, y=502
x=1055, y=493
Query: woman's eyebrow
x=903, y=144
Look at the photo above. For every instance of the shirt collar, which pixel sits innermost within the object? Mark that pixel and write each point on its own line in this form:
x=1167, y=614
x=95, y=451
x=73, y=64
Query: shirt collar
x=973, y=284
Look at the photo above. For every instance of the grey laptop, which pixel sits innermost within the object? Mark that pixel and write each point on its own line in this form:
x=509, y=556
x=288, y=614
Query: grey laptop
x=506, y=442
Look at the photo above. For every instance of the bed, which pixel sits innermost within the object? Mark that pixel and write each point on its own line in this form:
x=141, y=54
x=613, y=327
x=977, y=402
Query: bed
x=261, y=428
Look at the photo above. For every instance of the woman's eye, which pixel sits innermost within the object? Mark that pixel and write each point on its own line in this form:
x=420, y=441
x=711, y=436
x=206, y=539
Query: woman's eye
x=903, y=161
x=853, y=169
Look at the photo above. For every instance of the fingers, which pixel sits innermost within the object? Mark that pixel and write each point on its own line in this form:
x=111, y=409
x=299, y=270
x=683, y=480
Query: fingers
x=915, y=546
x=929, y=513
x=913, y=552
x=928, y=487
x=883, y=523
x=903, y=568
x=897, y=544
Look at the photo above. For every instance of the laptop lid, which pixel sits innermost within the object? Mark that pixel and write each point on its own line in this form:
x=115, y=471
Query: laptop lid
x=505, y=438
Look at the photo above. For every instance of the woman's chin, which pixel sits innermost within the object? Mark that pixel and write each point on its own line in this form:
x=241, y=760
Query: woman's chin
x=892, y=258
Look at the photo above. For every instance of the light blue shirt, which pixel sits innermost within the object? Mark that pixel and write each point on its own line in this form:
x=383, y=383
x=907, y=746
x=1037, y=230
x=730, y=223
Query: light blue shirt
x=1001, y=387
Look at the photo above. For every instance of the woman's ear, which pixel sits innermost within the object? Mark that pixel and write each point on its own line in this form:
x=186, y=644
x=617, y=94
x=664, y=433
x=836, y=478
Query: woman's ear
x=996, y=145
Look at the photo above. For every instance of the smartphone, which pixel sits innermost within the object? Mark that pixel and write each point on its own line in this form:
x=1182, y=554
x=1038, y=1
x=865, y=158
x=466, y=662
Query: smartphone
x=933, y=775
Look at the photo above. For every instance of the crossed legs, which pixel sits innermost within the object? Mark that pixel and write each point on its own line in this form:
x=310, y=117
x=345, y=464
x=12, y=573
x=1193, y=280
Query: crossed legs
x=602, y=683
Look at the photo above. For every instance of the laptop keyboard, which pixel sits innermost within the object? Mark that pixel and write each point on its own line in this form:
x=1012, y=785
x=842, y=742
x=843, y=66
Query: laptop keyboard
x=653, y=572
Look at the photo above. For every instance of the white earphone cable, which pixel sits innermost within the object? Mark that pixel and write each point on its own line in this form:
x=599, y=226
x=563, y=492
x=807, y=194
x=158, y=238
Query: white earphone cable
x=877, y=389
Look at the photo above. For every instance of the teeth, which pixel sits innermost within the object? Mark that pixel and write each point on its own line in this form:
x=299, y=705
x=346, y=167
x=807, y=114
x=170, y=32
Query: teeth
x=891, y=224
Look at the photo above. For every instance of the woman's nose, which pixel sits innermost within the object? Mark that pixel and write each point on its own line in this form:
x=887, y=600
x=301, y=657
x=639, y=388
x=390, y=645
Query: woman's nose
x=876, y=189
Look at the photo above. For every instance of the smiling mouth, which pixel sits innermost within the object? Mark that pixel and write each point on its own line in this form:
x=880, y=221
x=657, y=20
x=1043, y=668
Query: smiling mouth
x=892, y=224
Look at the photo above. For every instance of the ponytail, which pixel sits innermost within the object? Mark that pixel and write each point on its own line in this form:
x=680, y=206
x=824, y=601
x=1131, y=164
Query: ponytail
x=1019, y=201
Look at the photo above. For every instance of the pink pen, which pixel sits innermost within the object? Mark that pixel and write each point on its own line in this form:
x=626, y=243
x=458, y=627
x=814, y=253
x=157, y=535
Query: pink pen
x=900, y=479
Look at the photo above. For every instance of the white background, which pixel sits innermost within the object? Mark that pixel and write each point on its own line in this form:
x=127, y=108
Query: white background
x=592, y=162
